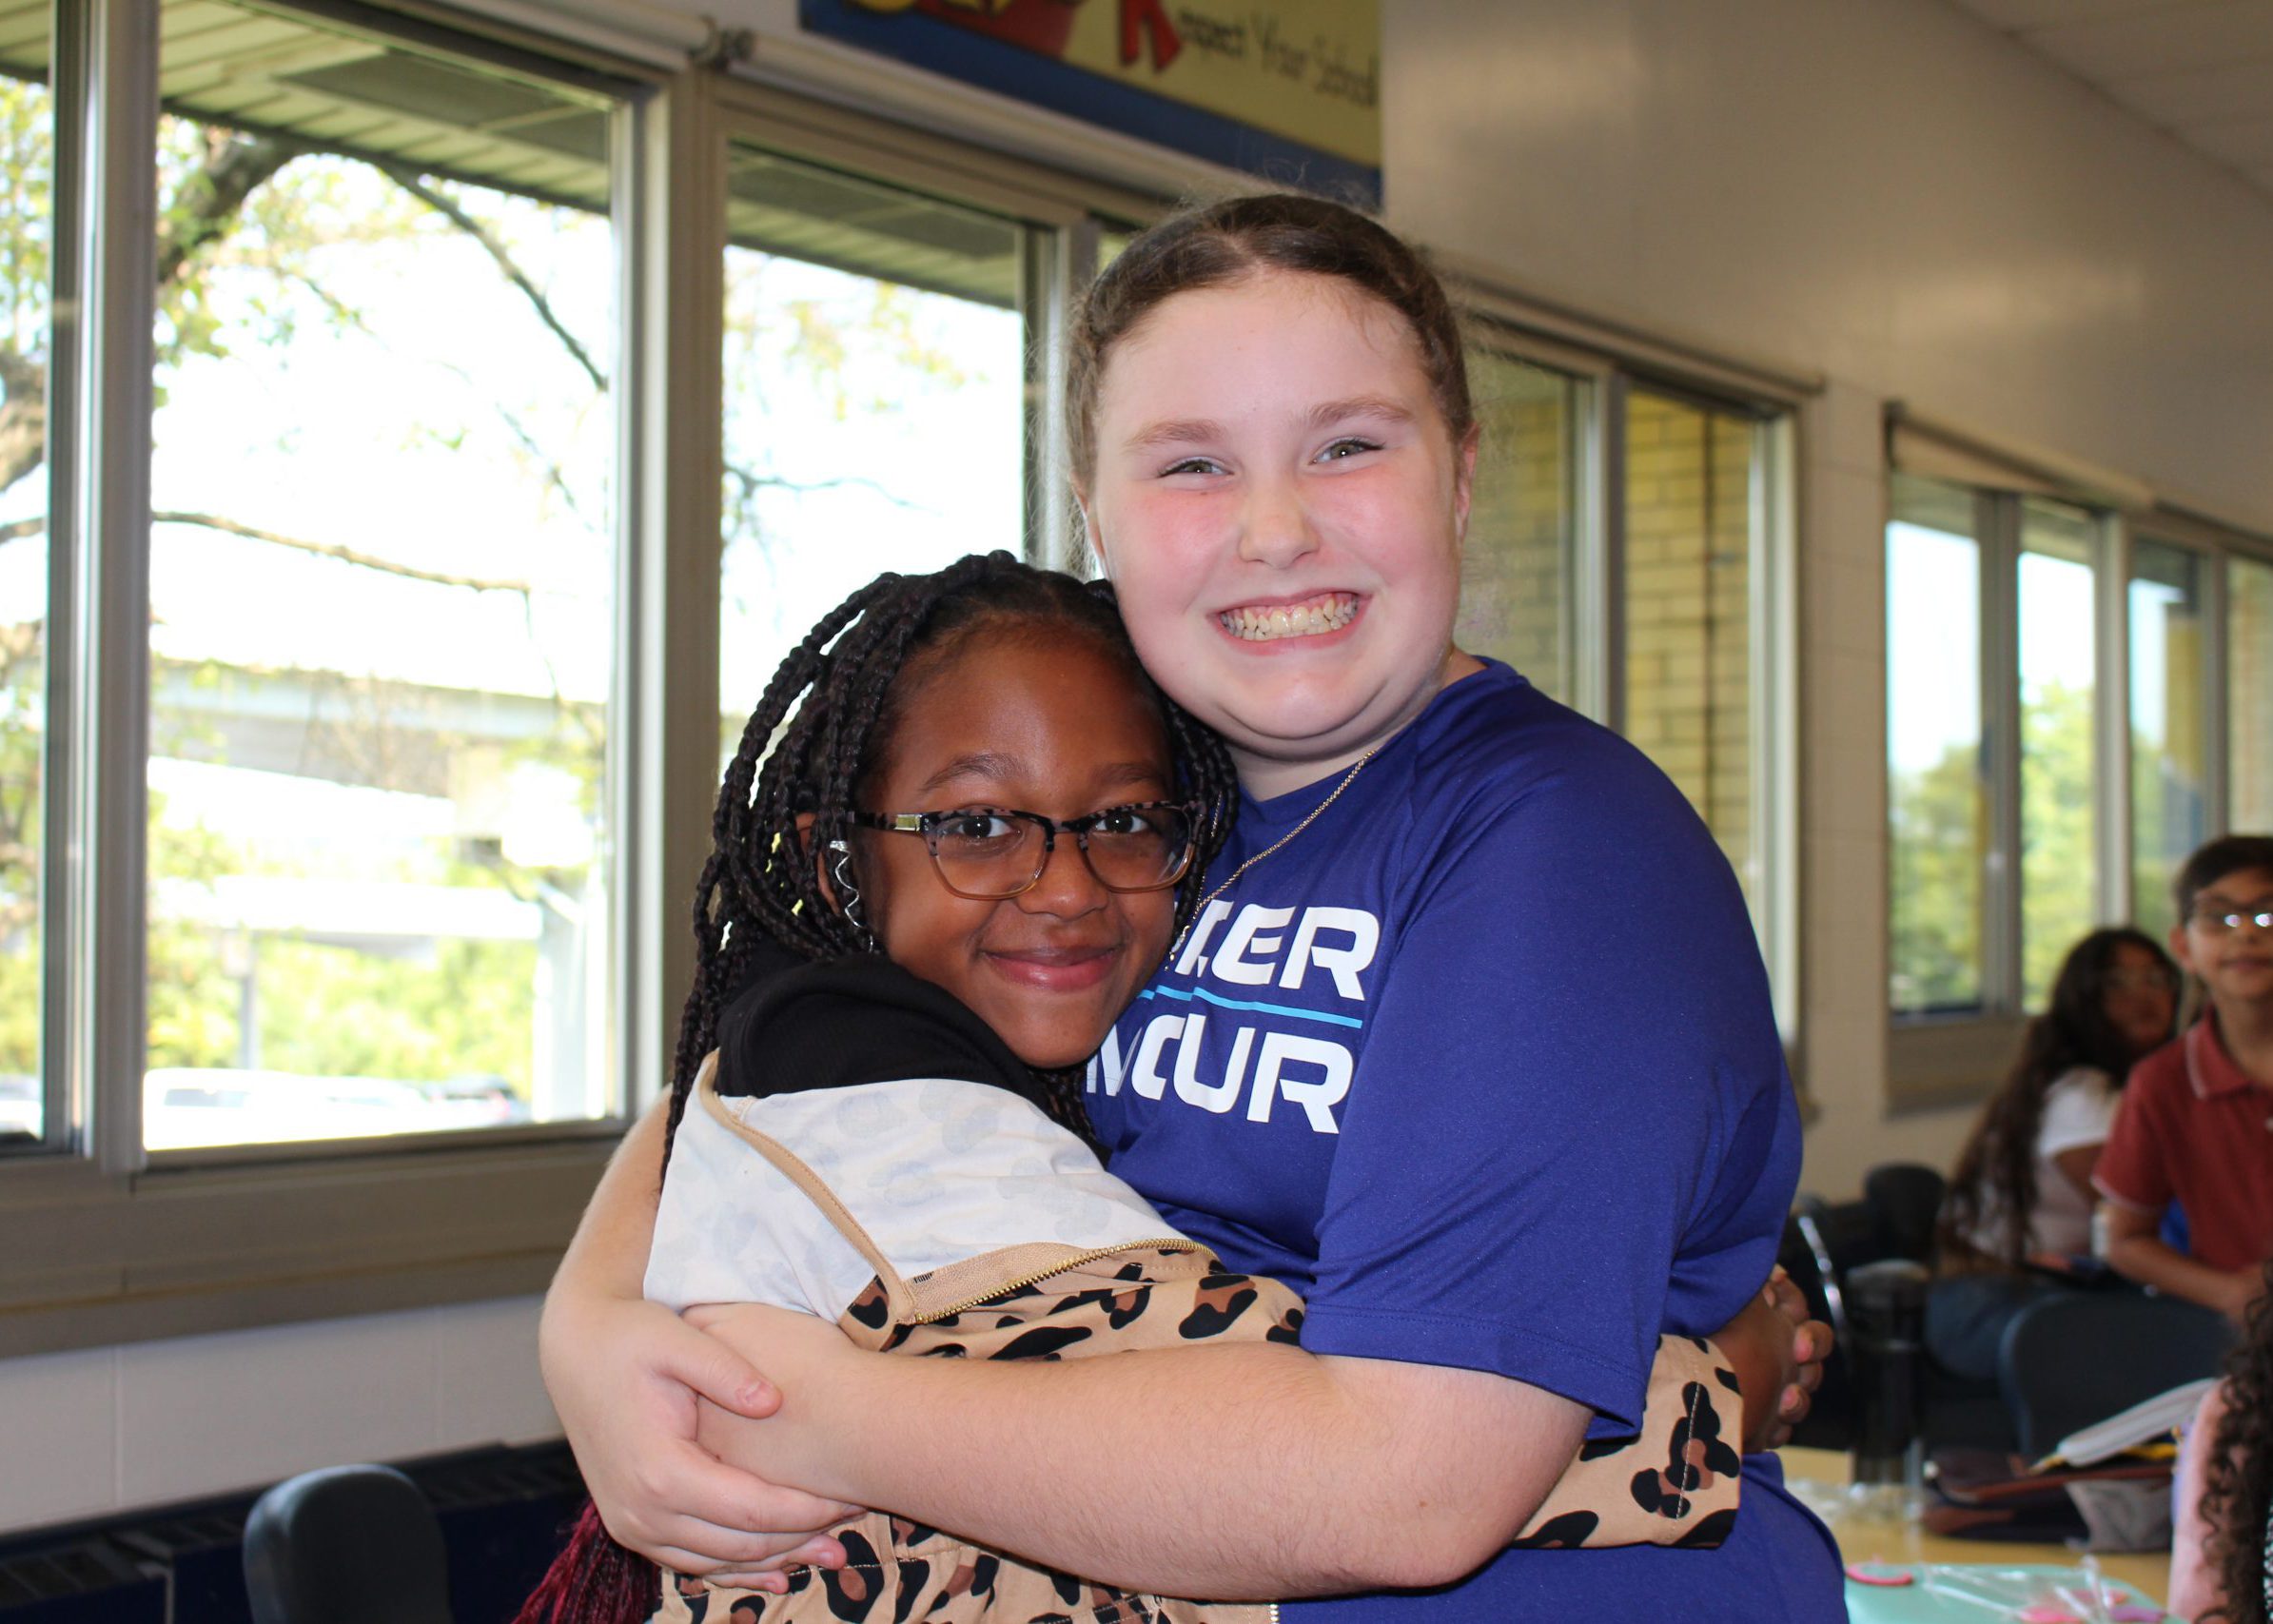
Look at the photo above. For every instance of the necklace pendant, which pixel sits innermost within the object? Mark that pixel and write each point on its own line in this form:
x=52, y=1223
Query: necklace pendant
x=1176, y=949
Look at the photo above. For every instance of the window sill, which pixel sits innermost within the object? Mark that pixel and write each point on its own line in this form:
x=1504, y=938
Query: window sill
x=1941, y=1062
x=92, y=1261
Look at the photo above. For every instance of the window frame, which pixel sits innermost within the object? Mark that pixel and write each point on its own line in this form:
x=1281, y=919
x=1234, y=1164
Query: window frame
x=70, y=41
x=113, y=1245
x=2218, y=546
x=1598, y=506
x=1938, y=1060
x=1065, y=216
x=110, y=1242
x=1945, y=1057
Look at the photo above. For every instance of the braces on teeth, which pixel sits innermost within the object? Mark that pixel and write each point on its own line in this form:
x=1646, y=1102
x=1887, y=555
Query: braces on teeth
x=1290, y=621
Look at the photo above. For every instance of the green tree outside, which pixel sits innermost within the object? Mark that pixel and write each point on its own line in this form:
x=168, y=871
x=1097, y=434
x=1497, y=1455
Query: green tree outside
x=1939, y=838
x=254, y=231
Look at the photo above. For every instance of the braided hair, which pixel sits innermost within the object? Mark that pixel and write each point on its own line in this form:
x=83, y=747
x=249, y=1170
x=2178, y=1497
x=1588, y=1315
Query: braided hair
x=836, y=703
x=823, y=726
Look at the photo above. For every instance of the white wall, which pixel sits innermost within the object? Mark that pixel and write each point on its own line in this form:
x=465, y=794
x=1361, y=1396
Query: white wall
x=82, y=1434
x=1882, y=191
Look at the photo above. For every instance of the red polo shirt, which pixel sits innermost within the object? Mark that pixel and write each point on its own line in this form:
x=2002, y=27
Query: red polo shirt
x=2194, y=1129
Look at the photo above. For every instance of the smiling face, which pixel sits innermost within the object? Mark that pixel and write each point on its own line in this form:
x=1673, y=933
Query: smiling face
x=2236, y=965
x=1280, y=506
x=1045, y=721
x=2138, y=997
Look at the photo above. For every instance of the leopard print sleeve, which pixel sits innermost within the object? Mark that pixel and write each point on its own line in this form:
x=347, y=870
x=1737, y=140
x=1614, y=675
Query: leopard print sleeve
x=1674, y=1482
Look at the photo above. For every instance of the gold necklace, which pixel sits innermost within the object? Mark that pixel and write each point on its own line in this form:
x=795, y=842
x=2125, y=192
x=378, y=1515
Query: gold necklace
x=1309, y=818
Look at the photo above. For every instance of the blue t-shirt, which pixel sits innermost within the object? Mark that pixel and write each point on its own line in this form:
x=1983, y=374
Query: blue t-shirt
x=1483, y=1064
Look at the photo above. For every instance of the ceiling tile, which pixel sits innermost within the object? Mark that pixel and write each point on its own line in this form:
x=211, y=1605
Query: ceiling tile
x=2109, y=50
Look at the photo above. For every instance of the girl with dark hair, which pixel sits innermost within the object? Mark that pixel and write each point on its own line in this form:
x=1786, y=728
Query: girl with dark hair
x=2022, y=1189
x=2221, y=1550
x=2018, y=1215
x=1469, y=1041
x=875, y=1114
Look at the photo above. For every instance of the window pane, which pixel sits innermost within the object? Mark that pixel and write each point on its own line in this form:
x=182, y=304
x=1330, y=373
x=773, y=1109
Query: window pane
x=1515, y=574
x=875, y=374
x=1937, y=804
x=2249, y=703
x=2169, y=743
x=27, y=173
x=2056, y=673
x=1688, y=612
x=381, y=579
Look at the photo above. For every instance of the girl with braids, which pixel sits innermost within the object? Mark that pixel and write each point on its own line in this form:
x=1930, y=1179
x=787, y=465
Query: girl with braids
x=1468, y=1041
x=2018, y=1216
x=876, y=1115
x=2222, y=1551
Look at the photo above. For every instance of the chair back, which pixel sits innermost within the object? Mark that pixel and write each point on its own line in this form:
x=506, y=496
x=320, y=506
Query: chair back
x=1905, y=1198
x=2079, y=1356
x=346, y=1545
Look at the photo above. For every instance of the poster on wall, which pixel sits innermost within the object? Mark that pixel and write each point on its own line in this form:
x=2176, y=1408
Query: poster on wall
x=1285, y=89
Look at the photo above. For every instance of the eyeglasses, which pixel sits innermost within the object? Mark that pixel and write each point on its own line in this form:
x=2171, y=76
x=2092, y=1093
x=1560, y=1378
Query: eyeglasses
x=2218, y=924
x=988, y=854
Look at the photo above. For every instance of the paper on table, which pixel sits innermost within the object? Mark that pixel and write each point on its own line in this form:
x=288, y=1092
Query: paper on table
x=2143, y=1422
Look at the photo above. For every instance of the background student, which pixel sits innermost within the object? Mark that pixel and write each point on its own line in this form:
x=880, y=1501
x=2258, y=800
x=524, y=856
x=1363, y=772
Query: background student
x=2196, y=1121
x=2018, y=1216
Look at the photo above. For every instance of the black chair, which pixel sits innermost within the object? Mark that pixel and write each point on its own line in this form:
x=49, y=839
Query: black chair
x=346, y=1545
x=2081, y=1357
x=1902, y=1202
x=1905, y=1198
x=1823, y=1243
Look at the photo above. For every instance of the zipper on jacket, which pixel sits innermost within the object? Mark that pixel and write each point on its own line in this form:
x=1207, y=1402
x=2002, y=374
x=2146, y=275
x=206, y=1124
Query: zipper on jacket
x=1172, y=1243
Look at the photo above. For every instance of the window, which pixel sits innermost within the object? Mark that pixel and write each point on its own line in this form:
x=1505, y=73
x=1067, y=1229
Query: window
x=874, y=373
x=1516, y=598
x=382, y=568
x=2249, y=683
x=2056, y=688
x=1689, y=598
x=2055, y=678
x=1937, y=810
x=27, y=240
x=1992, y=729
x=2169, y=724
x=392, y=722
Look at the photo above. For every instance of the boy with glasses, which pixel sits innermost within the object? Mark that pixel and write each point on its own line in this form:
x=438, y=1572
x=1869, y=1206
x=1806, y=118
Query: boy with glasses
x=2196, y=1123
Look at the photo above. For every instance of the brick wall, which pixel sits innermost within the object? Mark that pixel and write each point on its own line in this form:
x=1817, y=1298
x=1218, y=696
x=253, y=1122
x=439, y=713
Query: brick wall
x=1513, y=575
x=1688, y=612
